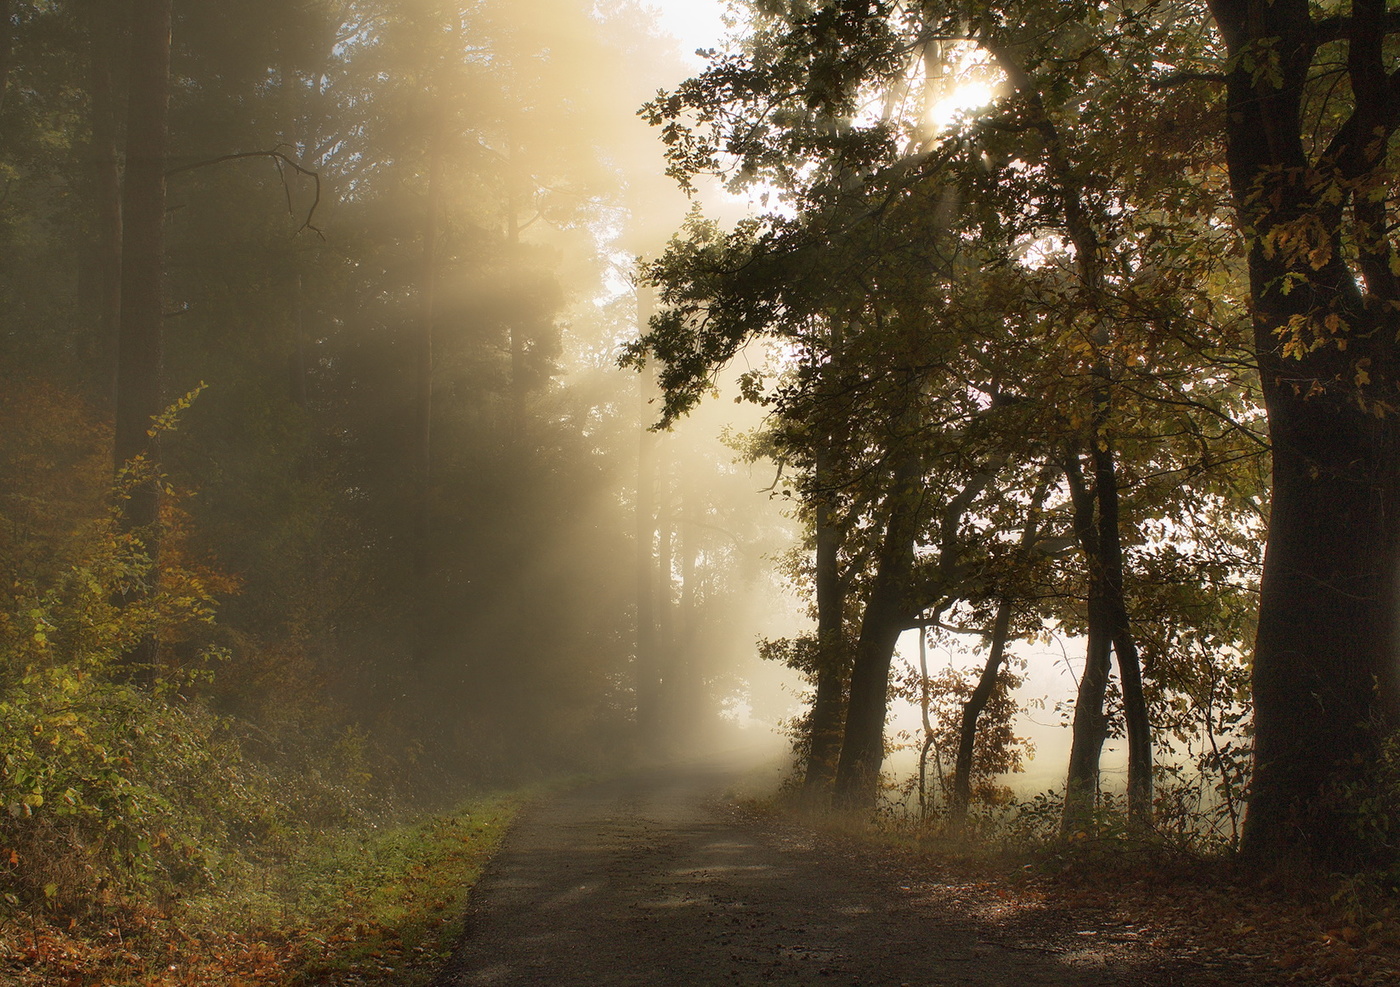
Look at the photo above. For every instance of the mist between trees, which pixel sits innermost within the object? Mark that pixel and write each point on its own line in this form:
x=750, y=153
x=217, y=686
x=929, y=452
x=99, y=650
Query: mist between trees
x=346, y=440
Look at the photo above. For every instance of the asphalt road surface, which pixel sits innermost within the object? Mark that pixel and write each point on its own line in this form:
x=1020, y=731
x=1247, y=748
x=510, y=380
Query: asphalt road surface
x=658, y=879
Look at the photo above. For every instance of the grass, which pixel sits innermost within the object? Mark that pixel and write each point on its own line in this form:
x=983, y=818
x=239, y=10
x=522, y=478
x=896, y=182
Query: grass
x=377, y=907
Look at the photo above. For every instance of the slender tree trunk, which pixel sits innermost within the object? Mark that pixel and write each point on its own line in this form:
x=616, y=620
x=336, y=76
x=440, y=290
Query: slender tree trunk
x=1108, y=615
x=833, y=668
x=666, y=696
x=1326, y=684
x=140, y=351
x=519, y=385
x=646, y=675
x=423, y=400
x=291, y=99
x=686, y=690
x=296, y=355
x=833, y=652
x=1090, y=726
x=925, y=717
x=1110, y=561
x=986, y=683
x=972, y=712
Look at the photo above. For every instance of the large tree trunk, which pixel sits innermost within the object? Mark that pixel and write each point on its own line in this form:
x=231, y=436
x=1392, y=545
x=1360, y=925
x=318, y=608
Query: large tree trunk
x=887, y=610
x=1325, y=663
x=140, y=351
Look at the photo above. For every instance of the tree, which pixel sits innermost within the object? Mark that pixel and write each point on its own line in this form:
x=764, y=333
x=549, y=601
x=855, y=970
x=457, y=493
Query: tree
x=1051, y=273
x=1313, y=102
x=140, y=356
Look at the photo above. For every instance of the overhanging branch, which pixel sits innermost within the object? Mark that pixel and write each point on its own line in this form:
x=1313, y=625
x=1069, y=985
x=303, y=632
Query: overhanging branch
x=281, y=161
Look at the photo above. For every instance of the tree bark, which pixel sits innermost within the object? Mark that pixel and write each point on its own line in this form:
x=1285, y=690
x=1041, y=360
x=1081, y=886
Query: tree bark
x=1325, y=663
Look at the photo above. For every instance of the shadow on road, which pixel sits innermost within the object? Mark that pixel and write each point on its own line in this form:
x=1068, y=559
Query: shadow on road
x=657, y=879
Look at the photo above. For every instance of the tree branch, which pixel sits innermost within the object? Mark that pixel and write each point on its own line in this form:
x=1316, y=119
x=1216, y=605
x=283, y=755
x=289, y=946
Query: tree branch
x=280, y=160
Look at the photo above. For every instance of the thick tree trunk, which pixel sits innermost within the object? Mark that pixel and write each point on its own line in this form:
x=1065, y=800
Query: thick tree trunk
x=140, y=350
x=1325, y=664
x=887, y=611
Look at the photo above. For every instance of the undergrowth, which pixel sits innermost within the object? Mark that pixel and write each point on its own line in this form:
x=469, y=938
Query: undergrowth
x=143, y=841
x=378, y=906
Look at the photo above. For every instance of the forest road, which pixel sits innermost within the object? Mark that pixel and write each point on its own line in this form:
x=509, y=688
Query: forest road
x=658, y=878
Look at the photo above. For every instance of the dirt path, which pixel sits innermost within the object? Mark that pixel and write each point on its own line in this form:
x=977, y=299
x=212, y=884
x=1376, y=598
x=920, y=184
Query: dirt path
x=657, y=879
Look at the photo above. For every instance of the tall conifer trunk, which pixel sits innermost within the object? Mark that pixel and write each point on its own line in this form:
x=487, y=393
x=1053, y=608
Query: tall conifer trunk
x=7, y=47
x=645, y=670
x=140, y=350
x=105, y=32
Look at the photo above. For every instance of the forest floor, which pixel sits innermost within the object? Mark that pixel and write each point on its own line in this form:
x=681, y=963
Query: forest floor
x=661, y=878
x=668, y=877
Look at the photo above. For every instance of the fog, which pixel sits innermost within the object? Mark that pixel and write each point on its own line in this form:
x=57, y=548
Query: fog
x=430, y=518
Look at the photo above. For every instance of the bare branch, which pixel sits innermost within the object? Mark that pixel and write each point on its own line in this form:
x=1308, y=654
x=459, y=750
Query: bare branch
x=281, y=161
